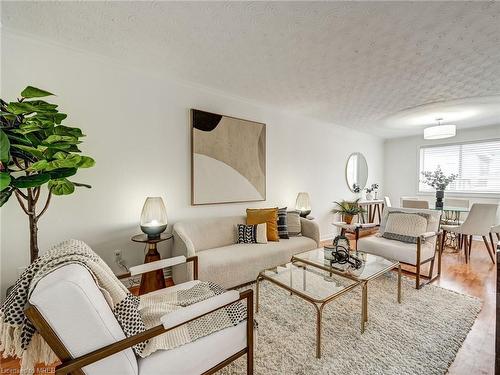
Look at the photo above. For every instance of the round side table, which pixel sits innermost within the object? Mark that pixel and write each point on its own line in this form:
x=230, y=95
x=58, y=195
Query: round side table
x=154, y=280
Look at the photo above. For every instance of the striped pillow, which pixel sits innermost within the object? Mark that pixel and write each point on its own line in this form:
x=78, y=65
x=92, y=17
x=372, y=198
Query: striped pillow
x=282, y=223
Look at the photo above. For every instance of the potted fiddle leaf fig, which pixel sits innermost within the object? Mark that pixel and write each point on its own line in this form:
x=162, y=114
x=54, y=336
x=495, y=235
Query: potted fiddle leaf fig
x=37, y=151
x=348, y=209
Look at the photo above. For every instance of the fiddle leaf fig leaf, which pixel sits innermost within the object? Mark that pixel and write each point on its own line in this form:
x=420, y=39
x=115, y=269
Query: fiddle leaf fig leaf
x=33, y=92
x=4, y=196
x=31, y=181
x=86, y=162
x=61, y=186
x=67, y=130
x=55, y=138
x=4, y=180
x=4, y=147
x=62, y=172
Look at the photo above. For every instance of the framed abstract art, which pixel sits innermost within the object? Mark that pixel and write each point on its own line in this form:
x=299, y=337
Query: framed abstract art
x=228, y=159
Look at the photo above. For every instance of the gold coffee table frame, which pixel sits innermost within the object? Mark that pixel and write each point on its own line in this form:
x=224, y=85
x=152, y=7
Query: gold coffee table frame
x=319, y=304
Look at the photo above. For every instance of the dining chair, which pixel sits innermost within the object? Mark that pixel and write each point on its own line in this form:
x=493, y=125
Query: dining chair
x=481, y=218
x=405, y=198
x=453, y=217
x=415, y=203
x=387, y=201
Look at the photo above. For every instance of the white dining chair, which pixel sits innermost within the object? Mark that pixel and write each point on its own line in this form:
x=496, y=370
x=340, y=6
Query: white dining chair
x=481, y=218
x=453, y=217
x=387, y=201
x=415, y=203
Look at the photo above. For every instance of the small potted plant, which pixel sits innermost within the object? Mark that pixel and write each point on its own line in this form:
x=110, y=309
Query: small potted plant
x=375, y=190
x=439, y=181
x=348, y=209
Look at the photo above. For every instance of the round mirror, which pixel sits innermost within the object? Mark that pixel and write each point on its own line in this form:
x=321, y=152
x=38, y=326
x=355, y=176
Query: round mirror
x=356, y=172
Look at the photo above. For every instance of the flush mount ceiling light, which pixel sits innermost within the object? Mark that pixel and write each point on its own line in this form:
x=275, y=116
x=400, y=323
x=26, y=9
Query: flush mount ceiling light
x=440, y=131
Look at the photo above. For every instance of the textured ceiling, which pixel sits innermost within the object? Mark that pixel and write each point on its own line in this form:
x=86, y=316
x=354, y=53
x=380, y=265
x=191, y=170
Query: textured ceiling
x=349, y=63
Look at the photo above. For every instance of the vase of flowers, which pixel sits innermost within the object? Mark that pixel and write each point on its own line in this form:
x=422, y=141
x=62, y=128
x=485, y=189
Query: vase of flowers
x=348, y=209
x=439, y=181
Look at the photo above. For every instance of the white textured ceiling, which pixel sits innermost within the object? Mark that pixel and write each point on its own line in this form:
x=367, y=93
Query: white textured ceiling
x=349, y=63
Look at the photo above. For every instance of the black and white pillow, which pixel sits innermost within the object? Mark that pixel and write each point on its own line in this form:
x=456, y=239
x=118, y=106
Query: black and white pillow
x=282, y=223
x=247, y=233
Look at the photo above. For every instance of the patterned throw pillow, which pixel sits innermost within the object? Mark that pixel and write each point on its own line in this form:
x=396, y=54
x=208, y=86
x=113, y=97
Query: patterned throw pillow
x=255, y=233
x=282, y=223
x=293, y=223
x=405, y=226
x=247, y=233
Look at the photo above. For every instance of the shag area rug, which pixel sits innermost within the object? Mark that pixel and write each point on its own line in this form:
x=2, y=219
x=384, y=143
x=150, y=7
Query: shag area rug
x=419, y=336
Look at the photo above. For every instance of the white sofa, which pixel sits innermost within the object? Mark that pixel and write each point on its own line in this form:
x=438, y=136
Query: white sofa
x=223, y=261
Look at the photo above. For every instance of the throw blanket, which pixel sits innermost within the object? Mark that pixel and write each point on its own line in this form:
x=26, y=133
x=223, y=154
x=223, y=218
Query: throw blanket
x=19, y=338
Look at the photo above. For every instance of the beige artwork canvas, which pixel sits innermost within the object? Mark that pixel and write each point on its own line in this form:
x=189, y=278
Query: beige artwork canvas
x=228, y=159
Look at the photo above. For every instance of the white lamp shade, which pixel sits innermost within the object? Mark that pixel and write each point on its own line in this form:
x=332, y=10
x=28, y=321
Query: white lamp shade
x=303, y=202
x=440, y=132
x=153, y=216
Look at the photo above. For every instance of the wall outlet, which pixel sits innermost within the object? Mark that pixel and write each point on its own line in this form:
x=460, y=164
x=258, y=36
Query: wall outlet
x=120, y=261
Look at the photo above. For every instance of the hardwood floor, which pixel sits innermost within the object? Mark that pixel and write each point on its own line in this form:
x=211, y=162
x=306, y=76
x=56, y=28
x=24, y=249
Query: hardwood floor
x=478, y=278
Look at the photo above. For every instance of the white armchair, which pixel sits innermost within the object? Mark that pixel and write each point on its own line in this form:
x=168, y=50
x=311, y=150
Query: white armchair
x=72, y=315
x=424, y=251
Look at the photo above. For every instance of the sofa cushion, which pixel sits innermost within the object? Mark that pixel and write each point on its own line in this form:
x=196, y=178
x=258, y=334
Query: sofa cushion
x=405, y=226
x=237, y=264
x=396, y=250
x=265, y=215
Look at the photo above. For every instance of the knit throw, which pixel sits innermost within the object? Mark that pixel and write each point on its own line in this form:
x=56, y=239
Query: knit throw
x=19, y=338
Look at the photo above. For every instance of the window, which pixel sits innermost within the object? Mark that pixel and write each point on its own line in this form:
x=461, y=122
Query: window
x=477, y=165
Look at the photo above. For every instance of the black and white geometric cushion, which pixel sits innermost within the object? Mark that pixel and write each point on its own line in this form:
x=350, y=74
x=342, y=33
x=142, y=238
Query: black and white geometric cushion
x=247, y=233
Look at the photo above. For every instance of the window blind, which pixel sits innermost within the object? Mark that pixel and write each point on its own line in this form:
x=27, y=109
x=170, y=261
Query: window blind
x=477, y=165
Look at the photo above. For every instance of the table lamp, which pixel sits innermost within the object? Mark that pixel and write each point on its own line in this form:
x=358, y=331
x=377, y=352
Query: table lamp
x=153, y=217
x=303, y=204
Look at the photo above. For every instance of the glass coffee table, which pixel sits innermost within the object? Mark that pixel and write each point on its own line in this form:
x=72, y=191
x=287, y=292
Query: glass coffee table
x=311, y=277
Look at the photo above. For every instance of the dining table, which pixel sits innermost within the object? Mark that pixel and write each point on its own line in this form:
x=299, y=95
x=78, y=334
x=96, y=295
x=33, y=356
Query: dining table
x=451, y=216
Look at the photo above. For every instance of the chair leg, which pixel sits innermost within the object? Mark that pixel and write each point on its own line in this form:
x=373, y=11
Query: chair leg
x=493, y=242
x=470, y=245
x=443, y=240
x=417, y=271
x=465, y=247
x=488, y=249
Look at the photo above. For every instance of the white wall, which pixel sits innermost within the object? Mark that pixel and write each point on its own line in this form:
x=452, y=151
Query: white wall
x=137, y=128
x=401, y=164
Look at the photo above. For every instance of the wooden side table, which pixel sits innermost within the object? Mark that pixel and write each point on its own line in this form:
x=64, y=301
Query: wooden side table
x=153, y=280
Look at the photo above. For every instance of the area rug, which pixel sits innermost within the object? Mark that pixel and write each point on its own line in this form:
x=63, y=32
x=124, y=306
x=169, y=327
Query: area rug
x=419, y=336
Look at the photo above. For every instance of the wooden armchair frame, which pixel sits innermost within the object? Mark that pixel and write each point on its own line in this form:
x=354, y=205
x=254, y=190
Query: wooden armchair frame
x=73, y=366
x=437, y=251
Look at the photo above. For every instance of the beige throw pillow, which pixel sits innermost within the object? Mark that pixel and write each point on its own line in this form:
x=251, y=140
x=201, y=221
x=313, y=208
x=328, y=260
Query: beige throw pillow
x=261, y=235
x=293, y=222
x=405, y=226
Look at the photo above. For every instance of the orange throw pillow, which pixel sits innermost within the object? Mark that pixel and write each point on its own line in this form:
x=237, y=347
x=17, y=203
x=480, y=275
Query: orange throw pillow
x=265, y=215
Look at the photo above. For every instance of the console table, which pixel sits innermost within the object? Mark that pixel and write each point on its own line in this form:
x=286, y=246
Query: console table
x=374, y=208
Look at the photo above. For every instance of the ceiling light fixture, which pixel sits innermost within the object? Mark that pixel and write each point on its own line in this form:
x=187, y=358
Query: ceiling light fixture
x=440, y=131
